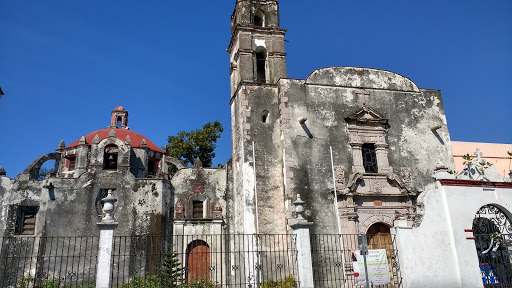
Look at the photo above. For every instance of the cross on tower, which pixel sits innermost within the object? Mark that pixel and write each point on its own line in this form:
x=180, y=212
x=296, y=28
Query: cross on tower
x=362, y=93
x=478, y=155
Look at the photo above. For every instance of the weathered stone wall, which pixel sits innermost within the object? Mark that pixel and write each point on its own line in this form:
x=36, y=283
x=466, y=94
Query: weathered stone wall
x=255, y=120
x=69, y=207
x=329, y=96
x=209, y=183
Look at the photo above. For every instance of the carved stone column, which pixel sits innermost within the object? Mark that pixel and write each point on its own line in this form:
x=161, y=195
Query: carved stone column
x=357, y=157
x=381, y=151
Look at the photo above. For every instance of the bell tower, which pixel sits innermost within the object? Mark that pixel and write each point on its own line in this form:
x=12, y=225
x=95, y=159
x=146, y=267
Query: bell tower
x=257, y=44
x=257, y=62
x=119, y=118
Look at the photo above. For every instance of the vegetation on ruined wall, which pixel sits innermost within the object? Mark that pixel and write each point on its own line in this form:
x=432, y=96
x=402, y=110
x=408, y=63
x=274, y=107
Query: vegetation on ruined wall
x=188, y=146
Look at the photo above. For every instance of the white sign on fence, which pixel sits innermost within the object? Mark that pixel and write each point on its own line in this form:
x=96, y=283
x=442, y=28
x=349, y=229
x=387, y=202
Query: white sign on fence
x=378, y=268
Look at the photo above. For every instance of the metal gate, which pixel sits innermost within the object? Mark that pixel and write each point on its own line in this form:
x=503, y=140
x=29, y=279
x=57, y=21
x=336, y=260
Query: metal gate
x=492, y=232
x=334, y=255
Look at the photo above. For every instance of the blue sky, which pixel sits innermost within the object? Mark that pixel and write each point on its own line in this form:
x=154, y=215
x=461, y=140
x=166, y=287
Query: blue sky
x=64, y=65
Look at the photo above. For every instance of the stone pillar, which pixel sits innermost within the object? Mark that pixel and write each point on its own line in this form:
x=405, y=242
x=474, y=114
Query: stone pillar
x=81, y=158
x=107, y=226
x=300, y=228
x=381, y=152
x=357, y=157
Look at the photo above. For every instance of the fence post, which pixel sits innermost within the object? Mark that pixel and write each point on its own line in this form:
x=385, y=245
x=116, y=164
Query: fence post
x=107, y=226
x=300, y=228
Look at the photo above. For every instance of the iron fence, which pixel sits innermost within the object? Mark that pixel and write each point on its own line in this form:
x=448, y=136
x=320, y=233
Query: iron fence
x=221, y=260
x=334, y=258
x=48, y=261
x=495, y=259
x=205, y=261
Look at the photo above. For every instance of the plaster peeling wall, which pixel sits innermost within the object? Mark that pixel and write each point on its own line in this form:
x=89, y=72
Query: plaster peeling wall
x=69, y=208
x=439, y=245
x=330, y=95
x=260, y=43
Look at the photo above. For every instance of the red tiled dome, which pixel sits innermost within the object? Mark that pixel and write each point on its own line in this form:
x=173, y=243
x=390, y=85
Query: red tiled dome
x=120, y=108
x=121, y=134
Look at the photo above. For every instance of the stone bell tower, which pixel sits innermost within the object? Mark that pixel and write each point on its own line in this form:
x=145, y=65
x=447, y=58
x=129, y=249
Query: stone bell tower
x=257, y=62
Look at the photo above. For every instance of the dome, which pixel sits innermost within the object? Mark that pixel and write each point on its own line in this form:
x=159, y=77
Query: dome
x=120, y=108
x=121, y=134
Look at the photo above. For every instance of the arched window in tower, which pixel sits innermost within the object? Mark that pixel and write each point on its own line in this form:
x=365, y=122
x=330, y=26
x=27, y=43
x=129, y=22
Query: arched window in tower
x=264, y=116
x=258, y=19
x=110, y=157
x=261, y=59
x=119, y=122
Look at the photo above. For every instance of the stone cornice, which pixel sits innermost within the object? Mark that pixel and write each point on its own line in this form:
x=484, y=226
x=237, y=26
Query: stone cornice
x=475, y=183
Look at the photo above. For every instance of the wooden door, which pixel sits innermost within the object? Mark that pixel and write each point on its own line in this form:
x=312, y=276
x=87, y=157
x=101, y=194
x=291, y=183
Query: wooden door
x=379, y=237
x=198, y=262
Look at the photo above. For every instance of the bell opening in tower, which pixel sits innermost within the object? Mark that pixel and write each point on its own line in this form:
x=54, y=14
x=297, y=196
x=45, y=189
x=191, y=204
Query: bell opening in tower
x=260, y=67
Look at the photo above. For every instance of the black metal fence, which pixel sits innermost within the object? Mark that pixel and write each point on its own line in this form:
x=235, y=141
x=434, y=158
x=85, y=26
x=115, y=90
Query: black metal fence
x=334, y=257
x=48, y=261
x=495, y=258
x=194, y=261
x=205, y=261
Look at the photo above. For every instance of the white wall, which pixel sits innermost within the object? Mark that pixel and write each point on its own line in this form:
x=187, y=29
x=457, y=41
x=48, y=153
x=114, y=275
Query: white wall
x=437, y=253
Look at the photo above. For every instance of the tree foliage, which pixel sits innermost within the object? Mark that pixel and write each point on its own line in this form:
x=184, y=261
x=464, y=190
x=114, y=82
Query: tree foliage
x=187, y=146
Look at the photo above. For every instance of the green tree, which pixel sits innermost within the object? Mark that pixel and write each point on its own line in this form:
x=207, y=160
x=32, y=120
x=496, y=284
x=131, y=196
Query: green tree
x=172, y=270
x=187, y=146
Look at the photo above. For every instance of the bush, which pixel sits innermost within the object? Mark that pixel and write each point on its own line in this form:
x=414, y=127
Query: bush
x=288, y=282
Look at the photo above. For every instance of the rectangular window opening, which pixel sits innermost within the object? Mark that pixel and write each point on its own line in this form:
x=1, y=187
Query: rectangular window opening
x=71, y=163
x=369, y=158
x=197, y=209
x=26, y=220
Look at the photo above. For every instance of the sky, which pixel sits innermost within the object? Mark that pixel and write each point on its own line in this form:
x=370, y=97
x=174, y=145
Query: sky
x=65, y=65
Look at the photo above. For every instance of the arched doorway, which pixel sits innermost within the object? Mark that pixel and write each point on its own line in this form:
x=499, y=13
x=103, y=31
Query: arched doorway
x=198, y=261
x=379, y=236
x=492, y=231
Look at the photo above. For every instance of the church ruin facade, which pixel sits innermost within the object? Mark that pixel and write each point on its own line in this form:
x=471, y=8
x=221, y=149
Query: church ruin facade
x=358, y=145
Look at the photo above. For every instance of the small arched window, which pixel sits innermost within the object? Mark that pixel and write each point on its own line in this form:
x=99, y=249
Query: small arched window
x=261, y=59
x=119, y=122
x=110, y=157
x=259, y=19
x=264, y=116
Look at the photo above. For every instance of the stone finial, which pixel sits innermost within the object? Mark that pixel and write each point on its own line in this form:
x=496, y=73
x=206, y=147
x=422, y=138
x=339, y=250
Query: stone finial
x=217, y=210
x=2, y=171
x=299, y=208
x=198, y=164
x=128, y=140
x=62, y=145
x=112, y=133
x=299, y=222
x=178, y=210
x=82, y=141
x=442, y=172
x=96, y=139
x=108, y=207
x=143, y=143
